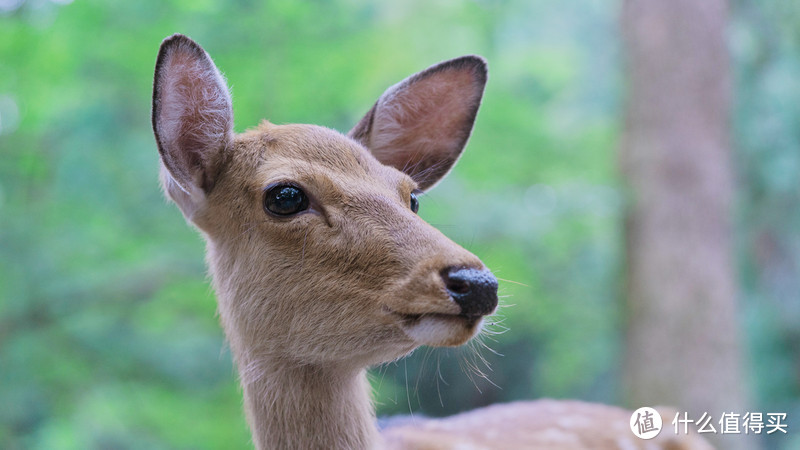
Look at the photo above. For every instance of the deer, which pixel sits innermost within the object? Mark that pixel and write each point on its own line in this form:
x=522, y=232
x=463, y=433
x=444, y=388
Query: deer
x=322, y=267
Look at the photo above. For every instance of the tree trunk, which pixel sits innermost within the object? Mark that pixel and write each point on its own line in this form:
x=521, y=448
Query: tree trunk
x=683, y=337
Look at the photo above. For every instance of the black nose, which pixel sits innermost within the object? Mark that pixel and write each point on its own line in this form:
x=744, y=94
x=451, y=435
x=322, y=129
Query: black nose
x=474, y=290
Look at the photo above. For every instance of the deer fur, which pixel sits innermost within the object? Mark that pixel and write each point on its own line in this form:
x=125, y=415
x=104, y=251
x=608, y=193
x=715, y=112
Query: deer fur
x=309, y=302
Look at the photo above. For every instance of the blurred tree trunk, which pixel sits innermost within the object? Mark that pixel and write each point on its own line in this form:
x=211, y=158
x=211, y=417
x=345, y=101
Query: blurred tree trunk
x=683, y=337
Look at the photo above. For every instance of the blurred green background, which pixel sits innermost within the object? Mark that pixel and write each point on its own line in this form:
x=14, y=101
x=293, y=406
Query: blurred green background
x=108, y=334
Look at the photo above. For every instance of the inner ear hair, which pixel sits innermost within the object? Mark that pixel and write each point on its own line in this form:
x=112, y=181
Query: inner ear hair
x=192, y=114
x=421, y=125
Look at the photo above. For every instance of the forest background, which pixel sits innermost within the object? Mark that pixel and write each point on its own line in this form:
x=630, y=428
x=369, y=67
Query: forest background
x=108, y=334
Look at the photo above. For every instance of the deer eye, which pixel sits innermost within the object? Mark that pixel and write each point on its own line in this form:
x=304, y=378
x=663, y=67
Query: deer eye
x=414, y=204
x=285, y=200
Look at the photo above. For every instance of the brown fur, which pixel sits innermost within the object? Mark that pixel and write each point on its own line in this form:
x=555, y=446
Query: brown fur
x=309, y=301
x=541, y=424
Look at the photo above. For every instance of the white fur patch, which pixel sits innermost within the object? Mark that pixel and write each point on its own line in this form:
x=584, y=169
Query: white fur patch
x=438, y=330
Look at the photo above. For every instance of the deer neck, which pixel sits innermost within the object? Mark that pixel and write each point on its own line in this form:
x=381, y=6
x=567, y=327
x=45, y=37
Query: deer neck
x=305, y=407
x=291, y=404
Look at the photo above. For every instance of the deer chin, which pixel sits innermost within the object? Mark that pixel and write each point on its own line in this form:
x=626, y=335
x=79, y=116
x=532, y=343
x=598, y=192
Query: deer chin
x=440, y=330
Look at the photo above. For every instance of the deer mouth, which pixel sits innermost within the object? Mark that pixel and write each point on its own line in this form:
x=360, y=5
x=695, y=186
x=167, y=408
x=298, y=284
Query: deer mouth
x=439, y=329
x=413, y=319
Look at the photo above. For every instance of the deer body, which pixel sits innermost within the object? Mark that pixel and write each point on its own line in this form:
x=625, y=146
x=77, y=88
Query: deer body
x=320, y=264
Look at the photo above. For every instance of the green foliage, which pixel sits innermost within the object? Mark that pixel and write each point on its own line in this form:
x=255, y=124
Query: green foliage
x=108, y=334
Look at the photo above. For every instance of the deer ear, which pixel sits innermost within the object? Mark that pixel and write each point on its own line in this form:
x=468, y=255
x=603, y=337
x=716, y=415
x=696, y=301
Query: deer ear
x=192, y=119
x=421, y=125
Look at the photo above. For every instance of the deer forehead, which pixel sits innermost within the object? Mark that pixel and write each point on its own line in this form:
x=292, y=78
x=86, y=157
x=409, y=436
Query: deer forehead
x=323, y=158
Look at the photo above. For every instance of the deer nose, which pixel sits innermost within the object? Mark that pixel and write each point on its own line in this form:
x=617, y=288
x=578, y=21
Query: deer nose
x=474, y=290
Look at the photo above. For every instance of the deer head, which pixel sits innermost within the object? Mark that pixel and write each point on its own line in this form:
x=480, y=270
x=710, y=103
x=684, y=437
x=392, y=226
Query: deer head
x=315, y=248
